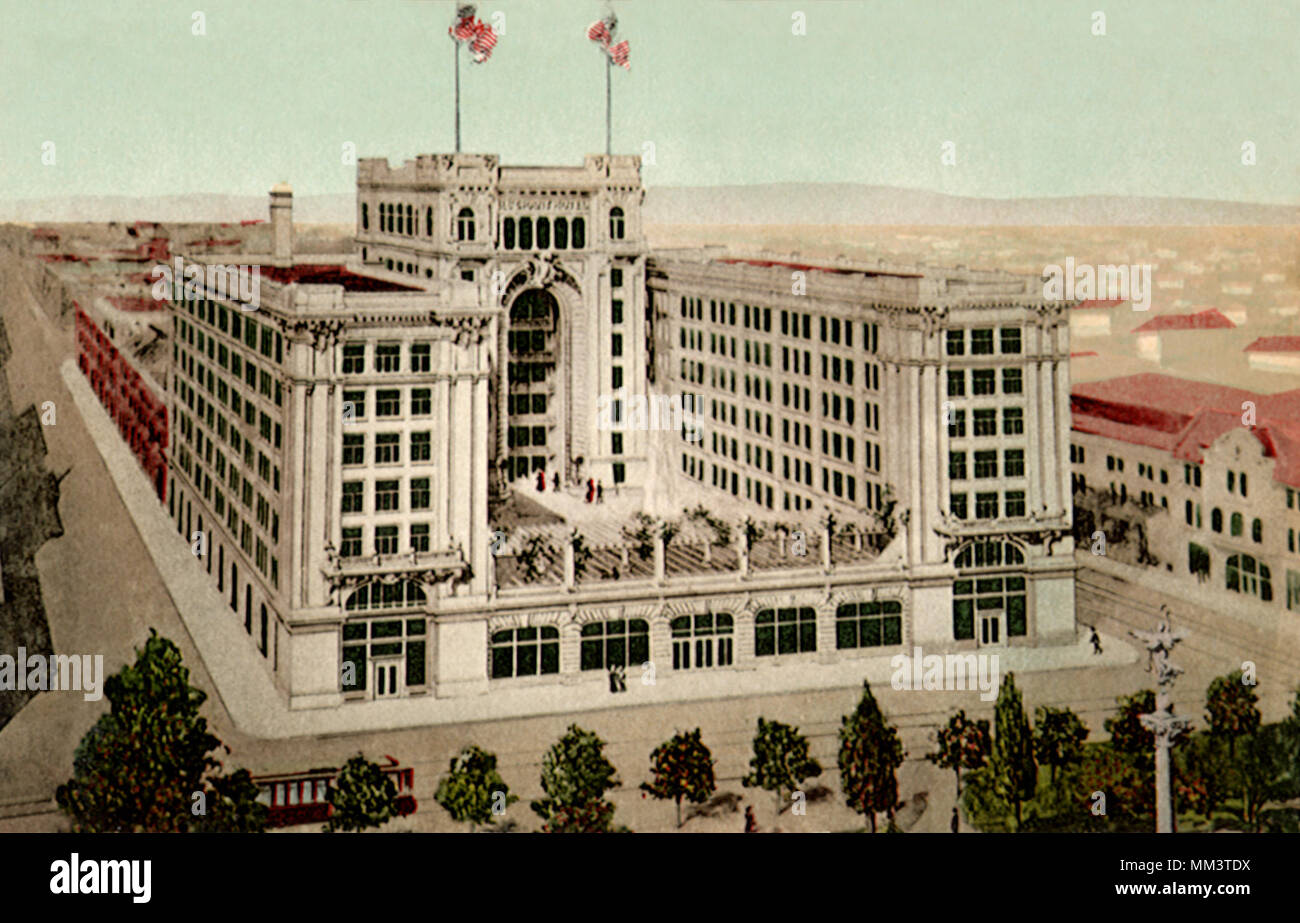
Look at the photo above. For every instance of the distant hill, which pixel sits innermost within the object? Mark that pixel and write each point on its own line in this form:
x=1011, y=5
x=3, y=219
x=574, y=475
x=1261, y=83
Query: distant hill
x=776, y=203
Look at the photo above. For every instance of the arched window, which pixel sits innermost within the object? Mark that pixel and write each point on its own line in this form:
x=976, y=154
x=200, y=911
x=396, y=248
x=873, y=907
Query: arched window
x=428, y=221
x=785, y=631
x=465, y=224
x=365, y=216
x=1216, y=520
x=508, y=233
x=616, y=224
x=579, y=233
x=264, y=624
x=402, y=595
x=989, y=554
x=534, y=308
x=383, y=217
x=1257, y=531
x=543, y=234
x=707, y=636
x=1236, y=524
x=561, y=233
x=410, y=221
x=525, y=652
x=525, y=233
x=1244, y=574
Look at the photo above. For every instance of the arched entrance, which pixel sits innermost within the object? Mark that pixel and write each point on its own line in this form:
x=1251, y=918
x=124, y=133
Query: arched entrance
x=533, y=411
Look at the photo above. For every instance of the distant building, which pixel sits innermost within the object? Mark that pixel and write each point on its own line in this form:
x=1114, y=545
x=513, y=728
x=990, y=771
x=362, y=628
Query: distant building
x=1275, y=354
x=1169, y=334
x=1092, y=318
x=1219, y=491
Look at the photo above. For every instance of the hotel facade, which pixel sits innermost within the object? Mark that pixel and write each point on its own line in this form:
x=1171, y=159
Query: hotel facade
x=897, y=438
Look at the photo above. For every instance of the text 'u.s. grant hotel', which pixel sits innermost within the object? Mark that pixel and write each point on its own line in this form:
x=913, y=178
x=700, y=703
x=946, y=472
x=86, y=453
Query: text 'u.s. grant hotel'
x=362, y=450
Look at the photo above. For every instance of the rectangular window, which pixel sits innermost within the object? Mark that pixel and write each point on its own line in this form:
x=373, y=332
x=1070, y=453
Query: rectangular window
x=981, y=342
x=956, y=466
x=419, y=493
x=353, y=497
x=956, y=342
x=956, y=383
x=388, y=403
x=983, y=381
x=1013, y=421
x=986, y=506
x=386, y=541
x=388, y=357
x=356, y=400
x=956, y=428
x=388, y=448
x=419, y=536
x=1012, y=381
x=387, y=496
x=1015, y=503
x=351, y=546
x=986, y=422
x=986, y=464
x=421, y=446
x=1014, y=463
x=421, y=401
x=1011, y=339
x=420, y=357
x=616, y=344
x=616, y=311
x=957, y=503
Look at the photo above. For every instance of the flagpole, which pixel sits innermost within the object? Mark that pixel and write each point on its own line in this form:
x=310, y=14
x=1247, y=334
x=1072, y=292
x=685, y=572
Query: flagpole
x=609, y=149
x=457, y=44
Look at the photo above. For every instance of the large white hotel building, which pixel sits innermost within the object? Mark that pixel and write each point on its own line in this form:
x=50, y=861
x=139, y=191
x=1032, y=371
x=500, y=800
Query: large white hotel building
x=345, y=443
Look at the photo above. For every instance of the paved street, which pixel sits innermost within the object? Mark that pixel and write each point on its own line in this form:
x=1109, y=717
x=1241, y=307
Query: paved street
x=103, y=594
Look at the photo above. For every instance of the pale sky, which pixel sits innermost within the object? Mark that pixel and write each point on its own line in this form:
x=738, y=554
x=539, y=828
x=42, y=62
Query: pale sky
x=1035, y=104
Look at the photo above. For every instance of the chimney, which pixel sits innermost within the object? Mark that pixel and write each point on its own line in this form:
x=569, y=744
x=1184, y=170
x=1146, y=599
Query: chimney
x=282, y=224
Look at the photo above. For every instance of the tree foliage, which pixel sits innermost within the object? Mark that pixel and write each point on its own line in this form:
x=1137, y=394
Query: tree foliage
x=575, y=778
x=1012, y=766
x=869, y=757
x=471, y=786
x=963, y=744
x=141, y=766
x=363, y=797
x=1058, y=737
x=1127, y=735
x=780, y=762
x=1231, y=708
x=682, y=767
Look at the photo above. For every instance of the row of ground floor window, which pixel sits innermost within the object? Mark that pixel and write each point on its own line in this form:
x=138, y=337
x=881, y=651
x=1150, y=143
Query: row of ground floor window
x=1245, y=574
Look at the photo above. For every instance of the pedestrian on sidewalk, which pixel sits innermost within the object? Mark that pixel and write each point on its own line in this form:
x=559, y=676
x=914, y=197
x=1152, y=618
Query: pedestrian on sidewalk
x=751, y=825
x=541, y=480
x=956, y=819
x=555, y=484
x=600, y=492
x=591, y=490
x=1095, y=639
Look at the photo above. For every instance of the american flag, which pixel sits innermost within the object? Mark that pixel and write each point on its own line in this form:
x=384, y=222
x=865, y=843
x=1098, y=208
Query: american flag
x=618, y=54
x=482, y=39
x=602, y=31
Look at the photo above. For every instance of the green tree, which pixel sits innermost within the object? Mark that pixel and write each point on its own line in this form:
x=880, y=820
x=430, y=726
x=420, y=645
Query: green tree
x=780, y=762
x=363, y=796
x=575, y=778
x=1014, y=772
x=1231, y=709
x=471, y=787
x=140, y=766
x=1058, y=737
x=963, y=744
x=1203, y=773
x=1128, y=736
x=870, y=754
x=682, y=768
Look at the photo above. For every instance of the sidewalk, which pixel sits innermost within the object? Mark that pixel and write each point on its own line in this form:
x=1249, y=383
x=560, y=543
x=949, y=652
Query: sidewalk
x=245, y=688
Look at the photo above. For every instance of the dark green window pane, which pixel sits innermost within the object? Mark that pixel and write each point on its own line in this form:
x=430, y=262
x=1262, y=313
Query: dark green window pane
x=357, y=657
x=593, y=655
x=682, y=626
x=787, y=639
x=963, y=619
x=869, y=608
x=385, y=629
x=846, y=633
x=415, y=663
x=1015, y=584
x=871, y=633
x=961, y=587
x=593, y=629
x=415, y=626
x=891, y=607
x=846, y=611
x=550, y=658
x=763, y=617
x=808, y=636
x=1016, y=616
x=526, y=661
x=353, y=631
x=616, y=651
x=385, y=650
x=892, y=630
x=993, y=585
x=988, y=602
x=526, y=634
x=640, y=648
x=502, y=662
x=764, y=640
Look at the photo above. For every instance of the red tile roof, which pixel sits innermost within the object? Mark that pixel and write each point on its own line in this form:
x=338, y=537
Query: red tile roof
x=331, y=274
x=809, y=267
x=1184, y=417
x=1275, y=345
x=1209, y=319
x=1082, y=354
